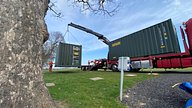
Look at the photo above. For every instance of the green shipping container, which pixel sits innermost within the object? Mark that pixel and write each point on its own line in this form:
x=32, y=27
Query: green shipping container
x=157, y=39
x=68, y=55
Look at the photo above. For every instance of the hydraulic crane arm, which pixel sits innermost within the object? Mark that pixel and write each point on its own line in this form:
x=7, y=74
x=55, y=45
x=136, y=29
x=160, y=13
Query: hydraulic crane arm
x=100, y=36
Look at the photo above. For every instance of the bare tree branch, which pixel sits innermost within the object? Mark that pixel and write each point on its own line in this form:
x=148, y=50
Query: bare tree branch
x=105, y=7
x=99, y=6
x=51, y=6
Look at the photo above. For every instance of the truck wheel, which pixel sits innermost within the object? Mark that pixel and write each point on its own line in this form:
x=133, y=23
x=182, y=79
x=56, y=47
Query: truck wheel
x=114, y=68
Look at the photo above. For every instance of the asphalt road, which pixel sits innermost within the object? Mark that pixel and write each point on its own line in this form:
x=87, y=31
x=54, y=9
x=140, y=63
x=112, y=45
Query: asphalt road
x=158, y=92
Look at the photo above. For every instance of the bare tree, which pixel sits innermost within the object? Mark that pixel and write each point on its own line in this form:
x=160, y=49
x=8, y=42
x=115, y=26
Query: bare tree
x=49, y=47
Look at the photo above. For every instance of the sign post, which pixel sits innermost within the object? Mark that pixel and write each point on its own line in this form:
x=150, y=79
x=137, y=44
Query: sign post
x=122, y=65
x=121, y=82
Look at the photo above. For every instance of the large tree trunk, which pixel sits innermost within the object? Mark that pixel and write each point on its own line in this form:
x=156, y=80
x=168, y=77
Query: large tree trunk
x=22, y=30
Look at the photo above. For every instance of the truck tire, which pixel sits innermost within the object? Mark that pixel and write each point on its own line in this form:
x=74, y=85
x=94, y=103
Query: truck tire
x=114, y=68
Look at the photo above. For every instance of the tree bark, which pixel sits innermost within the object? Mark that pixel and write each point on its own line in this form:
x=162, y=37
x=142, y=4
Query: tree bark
x=22, y=32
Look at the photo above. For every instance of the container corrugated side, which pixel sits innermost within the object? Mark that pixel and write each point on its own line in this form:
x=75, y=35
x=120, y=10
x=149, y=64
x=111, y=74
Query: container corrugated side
x=154, y=40
x=68, y=55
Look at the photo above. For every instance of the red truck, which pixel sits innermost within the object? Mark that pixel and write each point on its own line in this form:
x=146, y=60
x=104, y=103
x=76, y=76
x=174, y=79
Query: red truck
x=166, y=60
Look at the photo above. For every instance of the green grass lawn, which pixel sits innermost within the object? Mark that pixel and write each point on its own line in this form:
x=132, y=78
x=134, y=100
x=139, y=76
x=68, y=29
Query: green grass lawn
x=76, y=89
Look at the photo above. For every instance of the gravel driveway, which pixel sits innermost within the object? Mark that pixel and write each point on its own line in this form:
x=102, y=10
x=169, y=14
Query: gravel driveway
x=158, y=92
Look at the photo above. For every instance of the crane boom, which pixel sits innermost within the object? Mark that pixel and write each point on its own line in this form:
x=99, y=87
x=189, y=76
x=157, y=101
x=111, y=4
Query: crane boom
x=100, y=36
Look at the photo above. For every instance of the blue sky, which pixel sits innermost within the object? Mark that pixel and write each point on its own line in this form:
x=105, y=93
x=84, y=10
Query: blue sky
x=133, y=15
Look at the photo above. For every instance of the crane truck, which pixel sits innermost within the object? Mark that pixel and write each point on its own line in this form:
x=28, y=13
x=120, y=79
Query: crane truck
x=167, y=60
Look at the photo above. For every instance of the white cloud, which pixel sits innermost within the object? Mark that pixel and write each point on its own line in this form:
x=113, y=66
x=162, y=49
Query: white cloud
x=176, y=2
